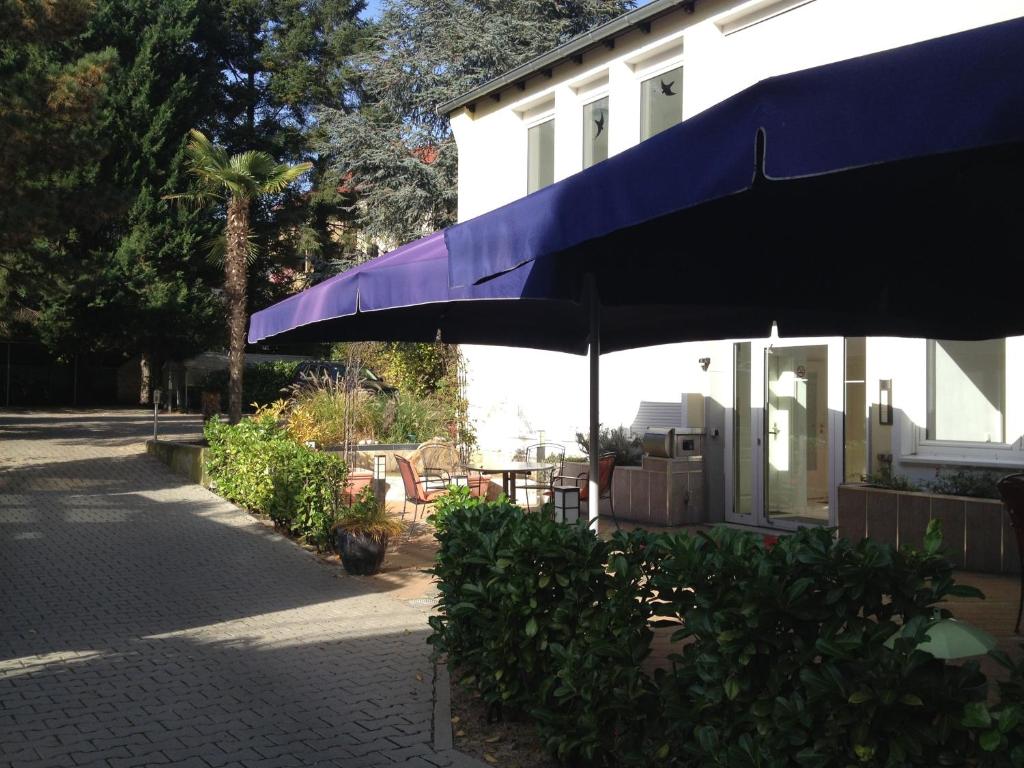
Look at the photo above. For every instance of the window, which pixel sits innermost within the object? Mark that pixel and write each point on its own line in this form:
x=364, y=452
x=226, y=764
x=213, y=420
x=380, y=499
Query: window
x=967, y=391
x=540, y=156
x=661, y=102
x=595, y=132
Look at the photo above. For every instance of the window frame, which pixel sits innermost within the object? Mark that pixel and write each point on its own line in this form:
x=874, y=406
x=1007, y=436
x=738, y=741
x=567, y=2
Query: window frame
x=643, y=75
x=535, y=120
x=917, y=448
x=592, y=97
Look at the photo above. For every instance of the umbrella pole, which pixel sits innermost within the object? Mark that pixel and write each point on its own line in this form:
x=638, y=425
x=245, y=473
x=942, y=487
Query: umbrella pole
x=593, y=498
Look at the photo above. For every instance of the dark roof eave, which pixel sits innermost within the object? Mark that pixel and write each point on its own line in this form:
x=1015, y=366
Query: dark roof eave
x=618, y=26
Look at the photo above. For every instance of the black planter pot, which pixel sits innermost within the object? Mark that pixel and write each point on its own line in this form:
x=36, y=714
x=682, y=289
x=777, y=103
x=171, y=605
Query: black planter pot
x=362, y=554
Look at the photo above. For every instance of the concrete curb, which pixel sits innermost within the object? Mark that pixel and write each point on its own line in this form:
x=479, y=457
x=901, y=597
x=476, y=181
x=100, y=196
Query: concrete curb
x=442, y=725
x=442, y=729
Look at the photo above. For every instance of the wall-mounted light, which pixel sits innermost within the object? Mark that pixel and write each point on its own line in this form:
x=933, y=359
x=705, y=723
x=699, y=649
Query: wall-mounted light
x=567, y=503
x=380, y=463
x=885, y=402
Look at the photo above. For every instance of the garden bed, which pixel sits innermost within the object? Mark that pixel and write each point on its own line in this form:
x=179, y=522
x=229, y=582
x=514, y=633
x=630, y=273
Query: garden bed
x=976, y=531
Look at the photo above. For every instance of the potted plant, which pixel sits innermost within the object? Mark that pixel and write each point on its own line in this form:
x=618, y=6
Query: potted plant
x=361, y=534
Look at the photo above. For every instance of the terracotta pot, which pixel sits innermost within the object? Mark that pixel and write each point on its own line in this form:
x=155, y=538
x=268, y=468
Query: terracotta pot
x=357, y=480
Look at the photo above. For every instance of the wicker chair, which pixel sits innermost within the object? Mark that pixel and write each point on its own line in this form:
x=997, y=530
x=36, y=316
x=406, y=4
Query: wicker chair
x=439, y=461
x=1011, y=488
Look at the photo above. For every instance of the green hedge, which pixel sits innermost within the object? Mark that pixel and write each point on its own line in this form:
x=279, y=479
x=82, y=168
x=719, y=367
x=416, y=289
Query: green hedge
x=781, y=653
x=255, y=464
x=262, y=383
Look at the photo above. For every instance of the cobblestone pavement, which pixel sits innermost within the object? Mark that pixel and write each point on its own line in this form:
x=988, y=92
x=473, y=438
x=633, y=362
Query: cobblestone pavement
x=144, y=621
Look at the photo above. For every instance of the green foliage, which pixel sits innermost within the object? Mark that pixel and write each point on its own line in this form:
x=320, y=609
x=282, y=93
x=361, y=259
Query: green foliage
x=397, y=148
x=975, y=483
x=884, y=478
x=255, y=464
x=785, y=660
x=367, y=515
x=404, y=417
x=629, y=451
x=785, y=656
x=263, y=382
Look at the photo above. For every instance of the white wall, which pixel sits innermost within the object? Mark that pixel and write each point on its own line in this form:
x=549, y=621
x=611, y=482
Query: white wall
x=515, y=394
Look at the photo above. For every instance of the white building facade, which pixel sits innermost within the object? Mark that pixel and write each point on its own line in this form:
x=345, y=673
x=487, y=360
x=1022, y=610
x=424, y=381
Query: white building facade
x=787, y=420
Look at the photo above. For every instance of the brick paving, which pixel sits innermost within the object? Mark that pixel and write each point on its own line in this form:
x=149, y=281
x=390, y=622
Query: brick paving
x=145, y=621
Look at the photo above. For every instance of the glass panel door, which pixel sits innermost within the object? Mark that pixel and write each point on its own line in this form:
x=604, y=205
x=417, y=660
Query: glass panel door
x=796, y=435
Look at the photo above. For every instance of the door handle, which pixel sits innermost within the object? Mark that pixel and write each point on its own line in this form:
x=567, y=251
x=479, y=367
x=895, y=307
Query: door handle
x=775, y=431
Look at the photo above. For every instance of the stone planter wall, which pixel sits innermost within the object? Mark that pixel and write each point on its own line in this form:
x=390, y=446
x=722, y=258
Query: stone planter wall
x=976, y=532
x=185, y=459
x=363, y=455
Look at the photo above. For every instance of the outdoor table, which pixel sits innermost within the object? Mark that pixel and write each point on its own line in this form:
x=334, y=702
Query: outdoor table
x=509, y=470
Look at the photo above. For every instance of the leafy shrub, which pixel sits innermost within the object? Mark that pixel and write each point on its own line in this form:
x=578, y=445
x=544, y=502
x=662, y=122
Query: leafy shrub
x=787, y=662
x=367, y=515
x=802, y=654
x=629, y=451
x=257, y=465
x=262, y=383
x=404, y=417
x=884, y=478
x=976, y=483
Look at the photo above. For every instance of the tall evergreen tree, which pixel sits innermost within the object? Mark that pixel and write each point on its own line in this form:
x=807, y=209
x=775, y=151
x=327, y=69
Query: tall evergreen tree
x=398, y=151
x=53, y=93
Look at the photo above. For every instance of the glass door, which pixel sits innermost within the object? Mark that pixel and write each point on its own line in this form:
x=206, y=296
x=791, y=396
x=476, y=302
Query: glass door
x=785, y=435
x=797, y=435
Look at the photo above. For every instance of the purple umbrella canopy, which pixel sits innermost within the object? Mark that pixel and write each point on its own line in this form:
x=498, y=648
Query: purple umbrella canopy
x=874, y=196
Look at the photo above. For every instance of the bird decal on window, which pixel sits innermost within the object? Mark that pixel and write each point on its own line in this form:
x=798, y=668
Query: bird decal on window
x=666, y=90
x=599, y=122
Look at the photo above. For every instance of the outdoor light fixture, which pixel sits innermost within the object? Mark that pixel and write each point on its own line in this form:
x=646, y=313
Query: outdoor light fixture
x=567, y=503
x=885, y=402
x=380, y=463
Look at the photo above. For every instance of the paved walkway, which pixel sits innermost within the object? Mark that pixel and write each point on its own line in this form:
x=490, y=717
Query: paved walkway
x=144, y=621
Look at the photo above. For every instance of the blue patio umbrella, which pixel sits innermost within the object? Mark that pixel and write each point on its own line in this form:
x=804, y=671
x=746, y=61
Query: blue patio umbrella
x=875, y=196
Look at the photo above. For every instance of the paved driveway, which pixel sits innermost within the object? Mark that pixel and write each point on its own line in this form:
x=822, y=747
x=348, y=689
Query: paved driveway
x=144, y=621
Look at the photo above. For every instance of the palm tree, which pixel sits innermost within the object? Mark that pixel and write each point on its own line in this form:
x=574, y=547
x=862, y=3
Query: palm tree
x=235, y=181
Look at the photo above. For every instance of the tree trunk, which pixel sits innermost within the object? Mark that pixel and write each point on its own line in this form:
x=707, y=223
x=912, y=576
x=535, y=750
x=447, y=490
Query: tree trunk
x=234, y=290
x=145, y=379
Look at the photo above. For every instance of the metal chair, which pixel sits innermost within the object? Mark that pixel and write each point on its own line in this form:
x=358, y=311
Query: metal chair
x=541, y=481
x=440, y=462
x=605, y=471
x=1011, y=488
x=416, y=490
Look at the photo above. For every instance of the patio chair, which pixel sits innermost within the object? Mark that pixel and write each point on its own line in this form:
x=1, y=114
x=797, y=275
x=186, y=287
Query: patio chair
x=540, y=482
x=1011, y=488
x=605, y=470
x=439, y=462
x=416, y=491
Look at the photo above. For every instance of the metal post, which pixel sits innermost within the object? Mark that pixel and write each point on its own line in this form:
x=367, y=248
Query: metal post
x=156, y=411
x=74, y=391
x=8, y=374
x=593, y=499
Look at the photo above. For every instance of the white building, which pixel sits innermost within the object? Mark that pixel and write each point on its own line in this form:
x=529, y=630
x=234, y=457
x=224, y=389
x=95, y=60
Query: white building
x=788, y=420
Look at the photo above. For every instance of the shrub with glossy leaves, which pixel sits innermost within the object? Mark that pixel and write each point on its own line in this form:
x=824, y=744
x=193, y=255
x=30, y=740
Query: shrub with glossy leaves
x=257, y=465
x=801, y=654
